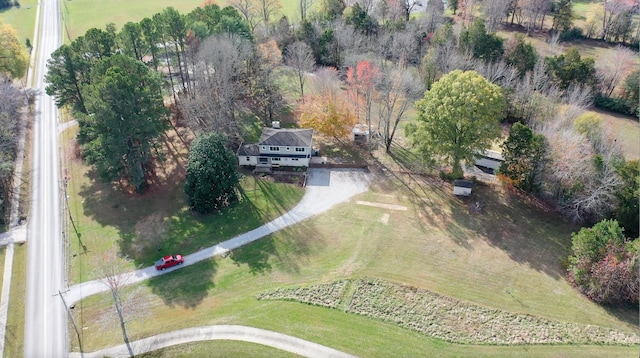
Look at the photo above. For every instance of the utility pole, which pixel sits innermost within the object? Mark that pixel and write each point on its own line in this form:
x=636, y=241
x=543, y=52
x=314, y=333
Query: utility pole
x=73, y=321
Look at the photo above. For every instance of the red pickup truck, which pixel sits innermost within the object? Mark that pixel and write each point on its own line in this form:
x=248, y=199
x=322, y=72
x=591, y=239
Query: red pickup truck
x=169, y=261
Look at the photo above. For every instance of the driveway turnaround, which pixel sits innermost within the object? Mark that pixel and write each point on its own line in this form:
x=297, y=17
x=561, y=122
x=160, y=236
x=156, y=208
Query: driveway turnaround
x=222, y=332
x=325, y=188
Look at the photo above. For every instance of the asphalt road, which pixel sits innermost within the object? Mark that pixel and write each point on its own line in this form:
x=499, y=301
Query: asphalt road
x=46, y=320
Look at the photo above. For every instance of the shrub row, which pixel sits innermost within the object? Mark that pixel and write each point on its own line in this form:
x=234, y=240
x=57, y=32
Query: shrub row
x=325, y=295
x=456, y=321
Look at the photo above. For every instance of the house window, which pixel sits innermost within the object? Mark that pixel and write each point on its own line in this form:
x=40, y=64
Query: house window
x=288, y=149
x=248, y=159
x=274, y=149
x=263, y=147
x=299, y=149
x=296, y=159
x=275, y=159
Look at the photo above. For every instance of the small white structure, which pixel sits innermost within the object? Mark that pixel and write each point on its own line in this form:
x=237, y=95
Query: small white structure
x=462, y=187
x=360, y=133
x=288, y=147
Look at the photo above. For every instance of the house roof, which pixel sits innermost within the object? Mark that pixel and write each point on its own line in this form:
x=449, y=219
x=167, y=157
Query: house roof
x=463, y=183
x=286, y=137
x=250, y=149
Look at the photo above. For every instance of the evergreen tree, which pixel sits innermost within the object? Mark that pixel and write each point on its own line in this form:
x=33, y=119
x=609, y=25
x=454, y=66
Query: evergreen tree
x=212, y=178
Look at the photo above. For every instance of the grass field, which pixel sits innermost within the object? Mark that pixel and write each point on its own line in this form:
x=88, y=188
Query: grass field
x=15, y=320
x=626, y=131
x=508, y=257
x=81, y=15
x=22, y=19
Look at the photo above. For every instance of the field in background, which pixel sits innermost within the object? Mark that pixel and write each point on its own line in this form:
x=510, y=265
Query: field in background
x=22, y=19
x=626, y=131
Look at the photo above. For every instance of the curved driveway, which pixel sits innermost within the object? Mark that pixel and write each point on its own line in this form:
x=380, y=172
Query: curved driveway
x=221, y=332
x=325, y=188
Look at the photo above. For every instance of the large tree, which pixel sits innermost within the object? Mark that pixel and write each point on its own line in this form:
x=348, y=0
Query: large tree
x=480, y=43
x=13, y=60
x=459, y=117
x=299, y=56
x=126, y=118
x=212, y=178
x=523, y=152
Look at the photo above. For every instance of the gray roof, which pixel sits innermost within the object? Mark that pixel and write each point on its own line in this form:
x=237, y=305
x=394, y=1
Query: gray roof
x=463, y=183
x=286, y=137
x=250, y=149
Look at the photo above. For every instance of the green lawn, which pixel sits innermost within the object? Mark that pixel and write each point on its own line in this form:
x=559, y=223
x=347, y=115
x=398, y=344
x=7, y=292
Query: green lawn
x=626, y=131
x=22, y=19
x=14, y=339
x=81, y=15
x=507, y=257
x=144, y=227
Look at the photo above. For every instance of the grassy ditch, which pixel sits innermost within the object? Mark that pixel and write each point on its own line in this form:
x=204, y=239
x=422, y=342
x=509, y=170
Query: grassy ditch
x=14, y=341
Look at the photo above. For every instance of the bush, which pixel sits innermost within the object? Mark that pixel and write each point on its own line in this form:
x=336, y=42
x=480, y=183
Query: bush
x=618, y=105
x=573, y=34
x=603, y=265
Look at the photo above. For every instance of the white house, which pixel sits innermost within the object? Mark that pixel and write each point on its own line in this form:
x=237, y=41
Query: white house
x=288, y=147
x=462, y=187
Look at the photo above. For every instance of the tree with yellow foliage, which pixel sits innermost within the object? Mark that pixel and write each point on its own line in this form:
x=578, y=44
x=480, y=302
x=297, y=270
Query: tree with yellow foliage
x=327, y=111
x=13, y=58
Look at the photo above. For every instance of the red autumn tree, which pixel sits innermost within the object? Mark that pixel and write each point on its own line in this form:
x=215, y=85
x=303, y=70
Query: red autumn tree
x=361, y=80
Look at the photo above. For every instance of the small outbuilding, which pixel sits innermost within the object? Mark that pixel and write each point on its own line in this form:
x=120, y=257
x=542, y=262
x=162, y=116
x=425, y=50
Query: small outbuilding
x=360, y=133
x=462, y=187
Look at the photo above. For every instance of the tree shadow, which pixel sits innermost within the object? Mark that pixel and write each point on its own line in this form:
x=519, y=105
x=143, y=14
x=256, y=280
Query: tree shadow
x=288, y=249
x=187, y=289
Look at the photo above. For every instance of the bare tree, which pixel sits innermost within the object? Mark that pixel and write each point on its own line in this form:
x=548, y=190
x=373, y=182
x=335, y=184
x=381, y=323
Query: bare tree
x=494, y=11
x=534, y=10
x=299, y=56
x=304, y=7
x=397, y=89
x=581, y=172
x=219, y=68
x=267, y=9
x=114, y=280
x=434, y=15
x=612, y=67
x=249, y=11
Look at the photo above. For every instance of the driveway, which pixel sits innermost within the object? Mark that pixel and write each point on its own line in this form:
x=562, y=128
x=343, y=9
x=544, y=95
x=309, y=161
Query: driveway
x=221, y=332
x=325, y=188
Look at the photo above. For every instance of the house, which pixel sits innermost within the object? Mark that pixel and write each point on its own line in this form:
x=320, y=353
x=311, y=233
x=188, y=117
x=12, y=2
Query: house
x=288, y=147
x=462, y=187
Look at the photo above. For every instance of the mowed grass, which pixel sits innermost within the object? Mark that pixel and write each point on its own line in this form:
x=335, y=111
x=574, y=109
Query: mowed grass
x=14, y=340
x=22, y=19
x=509, y=256
x=82, y=15
x=145, y=227
x=626, y=131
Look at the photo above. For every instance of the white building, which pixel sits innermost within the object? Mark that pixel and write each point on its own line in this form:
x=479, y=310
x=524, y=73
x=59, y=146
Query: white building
x=288, y=147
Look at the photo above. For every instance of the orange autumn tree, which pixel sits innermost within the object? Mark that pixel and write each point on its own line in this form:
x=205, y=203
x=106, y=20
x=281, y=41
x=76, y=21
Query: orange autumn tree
x=327, y=110
x=361, y=81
